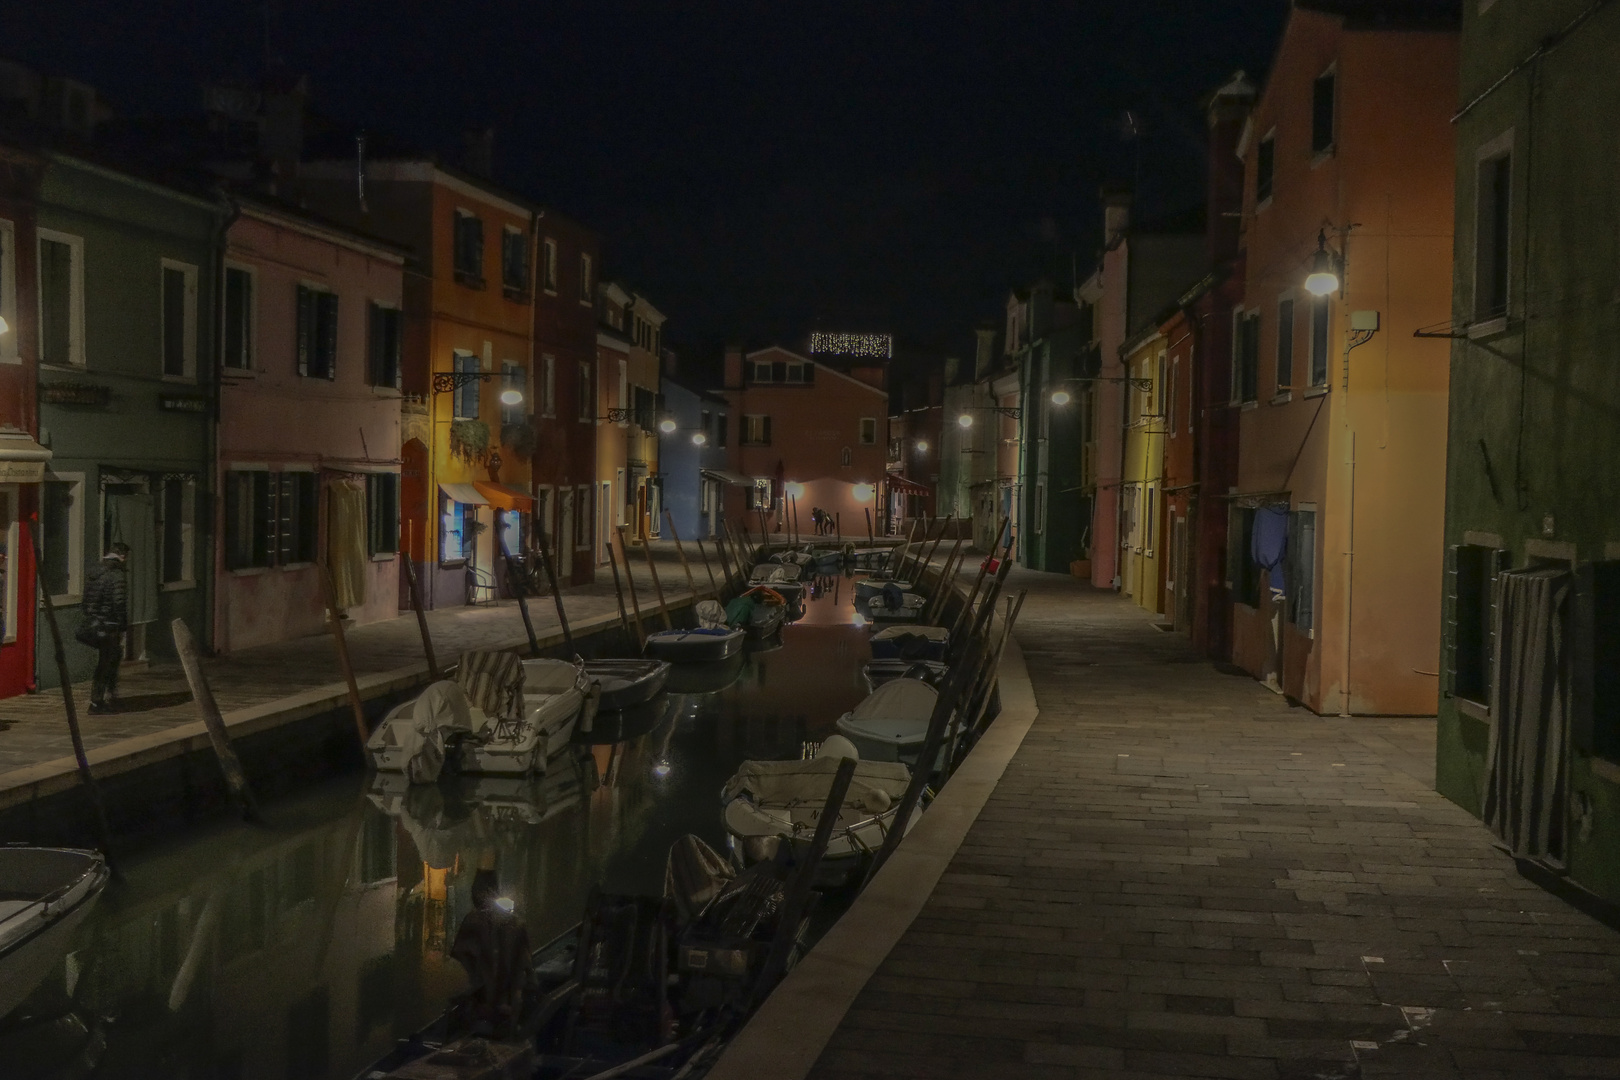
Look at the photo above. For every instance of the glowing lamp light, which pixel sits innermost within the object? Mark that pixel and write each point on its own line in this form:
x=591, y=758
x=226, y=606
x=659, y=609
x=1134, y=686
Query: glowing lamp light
x=505, y=903
x=966, y=420
x=922, y=446
x=511, y=397
x=795, y=491
x=1324, y=277
x=667, y=426
x=1060, y=397
x=5, y=327
x=864, y=492
x=661, y=768
x=700, y=439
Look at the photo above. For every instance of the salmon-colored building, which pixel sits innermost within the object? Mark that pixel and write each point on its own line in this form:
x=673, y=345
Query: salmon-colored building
x=1334, y=536
x=806, y=433
x=309, y=406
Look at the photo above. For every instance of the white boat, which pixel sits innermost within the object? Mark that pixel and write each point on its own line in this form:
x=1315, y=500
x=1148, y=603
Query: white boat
x=767, y=802
x=45, y=893
x=892, y=722
x=774, y=573
x=911, y=642
x=554, y=694
x=909, y=609
x=410, y=739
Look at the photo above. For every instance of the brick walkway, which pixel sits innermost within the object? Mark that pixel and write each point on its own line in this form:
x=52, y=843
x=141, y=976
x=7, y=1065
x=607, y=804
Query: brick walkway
x=33, y=728
x=1181, y=876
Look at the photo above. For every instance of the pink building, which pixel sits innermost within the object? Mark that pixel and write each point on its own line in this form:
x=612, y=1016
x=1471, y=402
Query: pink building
x=309, y=426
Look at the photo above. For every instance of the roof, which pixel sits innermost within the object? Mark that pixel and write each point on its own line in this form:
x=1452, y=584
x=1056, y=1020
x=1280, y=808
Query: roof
x=1390, y=14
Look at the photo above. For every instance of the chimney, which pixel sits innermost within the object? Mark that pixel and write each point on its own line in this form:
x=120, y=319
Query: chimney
x=734, y=367
x=671, y=363
x=1228, y=114
x=281, y=126
x=478, y=152
x=1116, y=215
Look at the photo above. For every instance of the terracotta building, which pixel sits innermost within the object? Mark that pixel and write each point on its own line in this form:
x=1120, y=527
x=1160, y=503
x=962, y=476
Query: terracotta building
x=1335, y=529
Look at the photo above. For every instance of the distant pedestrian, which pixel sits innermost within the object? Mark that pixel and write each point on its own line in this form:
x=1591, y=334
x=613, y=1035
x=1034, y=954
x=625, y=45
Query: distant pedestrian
x=105, y=617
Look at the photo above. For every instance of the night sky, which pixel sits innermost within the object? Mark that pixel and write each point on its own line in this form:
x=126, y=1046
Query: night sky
x=757, y=169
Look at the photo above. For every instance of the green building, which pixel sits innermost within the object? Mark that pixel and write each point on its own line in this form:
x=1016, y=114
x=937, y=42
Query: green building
x=1529, y=728
x=127, y=269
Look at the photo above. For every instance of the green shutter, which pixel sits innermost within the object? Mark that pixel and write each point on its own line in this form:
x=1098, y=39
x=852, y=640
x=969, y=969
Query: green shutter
x=305, y=327
x=329, y=328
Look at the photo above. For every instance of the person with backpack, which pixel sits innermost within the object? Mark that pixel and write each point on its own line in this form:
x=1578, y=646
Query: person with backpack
x=104, y=618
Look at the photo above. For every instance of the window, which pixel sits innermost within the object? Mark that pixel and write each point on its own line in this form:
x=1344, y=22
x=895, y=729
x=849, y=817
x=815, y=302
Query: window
x=297, y=517
x=60, y=277
x=548, y=265
x=584, y=278
x=387, y=328
x=1285, y=346
x=177, y=530
x=1242, y=572
x=782, y=371
x=1492, y=225
x=10, y=560
x=582, y=518
x=468, y=253
x=316, y=333
x=239, y=320
x=704, y=421
x=548, y=385
x=514, y=263
x=1320, y=312
x=1473, y=582
x=1265, y=168
x=720, y=426
x=62, y=536
x=179, y=320
x=1245, y=357
x=846, y=457
x=516, y=378
x=9, y=353
x=1160, y=385
x=1322, y=109
x=1171, y=399
x=759, y=497
x=382, y=513
x=756, y=430
x=868, y=431
x=587, y=394
x=455, y=530
x=622, y=399
x=271, y=518
x=645, y=405
x=1302, y=569
x=1598, y=598
x=466, y=395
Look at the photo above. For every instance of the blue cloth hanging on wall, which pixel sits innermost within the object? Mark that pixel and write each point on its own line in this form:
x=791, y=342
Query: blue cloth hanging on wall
x=1270, y=545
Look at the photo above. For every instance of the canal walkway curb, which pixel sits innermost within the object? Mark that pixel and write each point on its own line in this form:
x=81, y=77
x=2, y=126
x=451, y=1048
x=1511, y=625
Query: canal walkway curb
x=788, y=1033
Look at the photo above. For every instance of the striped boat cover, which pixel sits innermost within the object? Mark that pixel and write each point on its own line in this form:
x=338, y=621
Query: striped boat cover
x=493, y=681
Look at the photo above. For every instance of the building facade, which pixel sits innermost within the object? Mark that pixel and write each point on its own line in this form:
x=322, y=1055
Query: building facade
x=309, y=411
x=1532, y=531
x=1141, y=540
x=1334, y=537
x=694, y=457
x=629, y=344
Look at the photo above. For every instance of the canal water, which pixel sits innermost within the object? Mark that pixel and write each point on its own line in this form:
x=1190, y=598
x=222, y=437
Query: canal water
x=301, y=949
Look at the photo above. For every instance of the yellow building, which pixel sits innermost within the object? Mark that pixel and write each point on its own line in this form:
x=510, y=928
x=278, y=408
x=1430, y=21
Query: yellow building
x=1141, y=519
x=629, y=341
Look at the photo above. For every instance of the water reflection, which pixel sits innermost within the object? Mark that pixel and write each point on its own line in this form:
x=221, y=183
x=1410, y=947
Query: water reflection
x=304, y=949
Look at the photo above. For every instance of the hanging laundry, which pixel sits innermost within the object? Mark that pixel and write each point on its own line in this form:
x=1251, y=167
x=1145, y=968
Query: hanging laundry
x=1270, y=546
x=346, y=553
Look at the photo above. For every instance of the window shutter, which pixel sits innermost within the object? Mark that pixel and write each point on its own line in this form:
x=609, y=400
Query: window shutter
x=329, y=328
x=1448, y=659
x=396, y=346
x=767, y=432
x=281, y=515
x=306, y=319
x=233, y=521
x=376, y=327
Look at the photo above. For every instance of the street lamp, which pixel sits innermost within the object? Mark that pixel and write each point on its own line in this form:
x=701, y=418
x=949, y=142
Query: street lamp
x=1323, y=279
x=864, y=492
x=667, y=426
x=1060, y=397
x=965, y=420
x=511, y=397
x=447, y=382
x=700, y=439
x=922, y=446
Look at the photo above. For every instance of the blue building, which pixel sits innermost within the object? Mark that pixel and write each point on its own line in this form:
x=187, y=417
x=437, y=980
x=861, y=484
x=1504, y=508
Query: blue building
x=694, y=431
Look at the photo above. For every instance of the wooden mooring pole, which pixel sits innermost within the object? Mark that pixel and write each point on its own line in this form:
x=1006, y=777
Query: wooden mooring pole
x=704, y=555
x=681, y=551
x=658, y=588
x=630, y=581
x=556, y=590
x=516, y=585
x=334, y=619
x=416, y=603
x=218, y=737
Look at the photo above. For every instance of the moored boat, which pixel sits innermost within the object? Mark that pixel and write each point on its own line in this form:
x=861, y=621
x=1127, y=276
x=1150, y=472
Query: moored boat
x=554, y=693
x=868, y=587
x=45, y=893
x=911, y=642
x=710, y=641
x=892, y=722
x=896, y=606
x=627, y=682
x=879, y=672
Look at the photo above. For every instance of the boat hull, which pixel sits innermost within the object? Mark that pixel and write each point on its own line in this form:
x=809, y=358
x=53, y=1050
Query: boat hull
x=626, y=683
x=38, y=932
x=683, y=647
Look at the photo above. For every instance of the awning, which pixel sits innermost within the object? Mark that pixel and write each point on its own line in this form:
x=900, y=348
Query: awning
x=503, y=497
x=907, y=487
x=22, y=460
x=728, y=477
x=463, y=493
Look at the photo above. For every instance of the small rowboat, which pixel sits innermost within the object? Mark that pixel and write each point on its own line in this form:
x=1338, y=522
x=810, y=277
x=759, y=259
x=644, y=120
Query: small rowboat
x=627, y=682
x=879, y=672
x=891, y=724
x=697, y=646
x=910, y=642
x=45, y=893
x=890, y=607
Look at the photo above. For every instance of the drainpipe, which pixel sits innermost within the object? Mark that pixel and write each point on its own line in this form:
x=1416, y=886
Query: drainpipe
x=221, y=226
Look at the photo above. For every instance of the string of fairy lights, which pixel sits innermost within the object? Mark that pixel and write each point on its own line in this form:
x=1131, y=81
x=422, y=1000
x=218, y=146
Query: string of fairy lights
x=872, y=346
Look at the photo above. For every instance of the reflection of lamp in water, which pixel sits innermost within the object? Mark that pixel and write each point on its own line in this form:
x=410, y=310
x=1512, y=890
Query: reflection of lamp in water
x=860, y=620
x=505, y=903
x=661, y=768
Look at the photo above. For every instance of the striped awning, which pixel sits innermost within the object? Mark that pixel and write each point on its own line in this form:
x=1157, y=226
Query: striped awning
x=463, y=493
x=503, y=497
x=906, y=487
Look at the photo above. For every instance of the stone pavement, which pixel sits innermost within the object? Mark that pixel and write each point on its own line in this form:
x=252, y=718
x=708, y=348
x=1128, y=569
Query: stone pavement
x=1179, y=875
x=33, y=728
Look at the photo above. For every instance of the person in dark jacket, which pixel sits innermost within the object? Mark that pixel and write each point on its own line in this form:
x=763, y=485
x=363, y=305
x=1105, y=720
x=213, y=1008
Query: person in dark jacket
x=106, y=614
x=492, y=946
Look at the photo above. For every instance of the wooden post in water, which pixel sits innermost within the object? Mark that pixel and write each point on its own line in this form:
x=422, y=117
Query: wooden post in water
x=722, y=557
x=618, y=592
x=928, y=561
x=556, y=591
x=936, y=603
x=962, y=616
x=798, y=537
x=235, y=778
x=681, y=551
x=630, y=580
x=704, y=555
x=980, y=704
x=658, y=588
x=334, y=619
x=798, y=891
x=838, y=529
x=523, y=601
x=416, y=604
x=978, y=697
x=870, y=539
x=67, y=692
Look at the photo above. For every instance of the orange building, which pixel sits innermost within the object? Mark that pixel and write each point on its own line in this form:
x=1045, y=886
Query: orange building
x=1334, y=543
x=629, y=340
x=807, y=433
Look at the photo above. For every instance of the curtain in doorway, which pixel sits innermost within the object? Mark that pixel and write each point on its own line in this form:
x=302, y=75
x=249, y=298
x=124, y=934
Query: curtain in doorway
x=134, y=522
x=1527, y=765
x=346, y=552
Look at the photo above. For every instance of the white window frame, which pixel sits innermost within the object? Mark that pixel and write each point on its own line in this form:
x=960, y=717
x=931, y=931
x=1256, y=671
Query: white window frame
x=188, y=537
x=548, y=386
x=75, y=555
x=1321, y=307
x=1284, y=392
x=620, y=507
x=76, y=351
x=188, y=343
x=252, y=273
x=10, y=352
x=10, y=500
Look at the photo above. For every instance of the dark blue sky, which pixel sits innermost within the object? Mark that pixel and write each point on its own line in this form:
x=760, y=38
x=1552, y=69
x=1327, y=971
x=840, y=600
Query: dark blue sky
x=756, y=168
